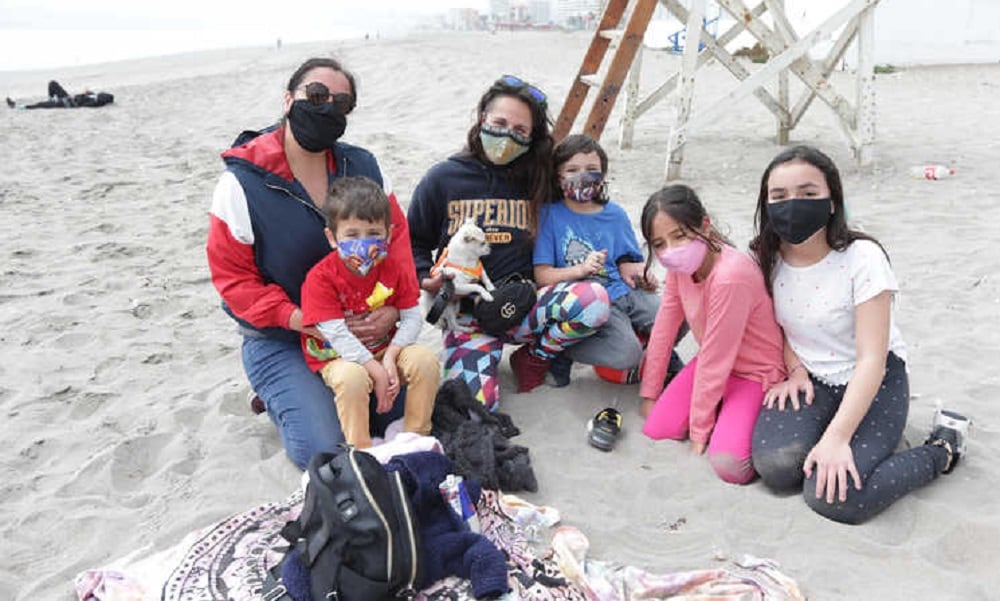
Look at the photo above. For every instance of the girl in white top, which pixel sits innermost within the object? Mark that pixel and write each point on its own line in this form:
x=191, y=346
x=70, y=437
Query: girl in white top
x=833, y=425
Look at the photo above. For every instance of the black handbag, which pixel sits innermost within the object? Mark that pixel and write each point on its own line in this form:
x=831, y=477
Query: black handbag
x=513, y=298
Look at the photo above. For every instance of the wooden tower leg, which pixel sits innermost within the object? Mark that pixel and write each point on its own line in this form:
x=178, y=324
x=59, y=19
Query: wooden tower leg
x=777, y=7
x=866, y=87
x=689, y=64
x=627, y=131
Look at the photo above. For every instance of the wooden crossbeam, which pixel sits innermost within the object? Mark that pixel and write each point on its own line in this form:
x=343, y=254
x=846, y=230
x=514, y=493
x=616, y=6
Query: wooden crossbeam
x=776, y=8
x=784, y=60
x=591, y=63
x=728, y=61
x=802, y=66
x=832, y=58
x=788, y=53
x=629, y=44
x=668, y=86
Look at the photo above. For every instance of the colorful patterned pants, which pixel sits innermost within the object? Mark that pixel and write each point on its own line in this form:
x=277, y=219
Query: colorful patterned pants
x=564, y=314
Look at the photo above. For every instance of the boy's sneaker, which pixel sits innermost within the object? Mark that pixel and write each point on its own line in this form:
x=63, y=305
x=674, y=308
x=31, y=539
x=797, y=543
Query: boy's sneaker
x=559, y=371
x=951, y=431
x=603, y=429
x=528, y=368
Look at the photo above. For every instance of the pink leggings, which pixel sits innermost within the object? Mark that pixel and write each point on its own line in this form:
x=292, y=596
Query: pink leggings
x=729, y=445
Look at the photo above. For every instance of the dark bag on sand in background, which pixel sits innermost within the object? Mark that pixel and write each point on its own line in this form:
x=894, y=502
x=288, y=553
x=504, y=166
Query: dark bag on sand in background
x=513, y=297
x=356, y=538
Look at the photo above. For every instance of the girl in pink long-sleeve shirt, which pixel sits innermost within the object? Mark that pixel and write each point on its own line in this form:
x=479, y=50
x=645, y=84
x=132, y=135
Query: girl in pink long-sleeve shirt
x=720, y=291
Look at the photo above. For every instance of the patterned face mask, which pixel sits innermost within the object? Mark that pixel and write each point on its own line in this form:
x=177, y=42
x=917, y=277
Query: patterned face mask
x=503, y=145
x=583, y=187
x=361, y=254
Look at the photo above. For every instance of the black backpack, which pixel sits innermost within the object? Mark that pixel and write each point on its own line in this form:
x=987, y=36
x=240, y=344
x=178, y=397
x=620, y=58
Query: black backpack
x=357, y=534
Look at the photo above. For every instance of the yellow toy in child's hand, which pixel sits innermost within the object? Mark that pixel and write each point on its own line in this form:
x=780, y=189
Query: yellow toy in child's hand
x=378, y=296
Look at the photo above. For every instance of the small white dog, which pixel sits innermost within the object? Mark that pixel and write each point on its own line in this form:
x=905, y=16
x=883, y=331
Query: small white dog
x=460, y=262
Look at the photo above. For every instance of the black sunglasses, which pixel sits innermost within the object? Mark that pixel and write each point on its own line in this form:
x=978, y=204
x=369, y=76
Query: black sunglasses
x=519, y=84
x=317, y=93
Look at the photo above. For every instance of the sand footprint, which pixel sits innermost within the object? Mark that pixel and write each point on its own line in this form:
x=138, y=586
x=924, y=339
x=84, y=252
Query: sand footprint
x=234, y=402
x=135, y=459
x=969, y=547
x=88, y=404
x=118, y=469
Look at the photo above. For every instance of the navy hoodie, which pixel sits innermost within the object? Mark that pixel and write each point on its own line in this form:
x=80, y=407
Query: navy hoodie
x=463, y=187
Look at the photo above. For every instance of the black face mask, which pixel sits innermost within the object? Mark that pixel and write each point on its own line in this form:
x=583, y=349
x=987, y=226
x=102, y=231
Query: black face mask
x=795, y=219
x=316, y=127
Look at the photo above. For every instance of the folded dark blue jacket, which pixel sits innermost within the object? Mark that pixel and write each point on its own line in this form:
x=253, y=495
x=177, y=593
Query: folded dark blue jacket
x=448, y=548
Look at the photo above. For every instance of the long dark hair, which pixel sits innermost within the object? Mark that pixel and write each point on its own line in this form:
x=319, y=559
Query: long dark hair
x=766, y=243
x=534, y=167
x=684, y=207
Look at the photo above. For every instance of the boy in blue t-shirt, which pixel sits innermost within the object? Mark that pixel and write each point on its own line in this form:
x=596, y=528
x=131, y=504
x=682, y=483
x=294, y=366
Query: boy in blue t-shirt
x=584, y=236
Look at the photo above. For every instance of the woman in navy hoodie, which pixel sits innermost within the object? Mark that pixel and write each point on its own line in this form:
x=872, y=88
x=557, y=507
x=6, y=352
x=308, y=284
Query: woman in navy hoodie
x=501, y=180
x=266, y=232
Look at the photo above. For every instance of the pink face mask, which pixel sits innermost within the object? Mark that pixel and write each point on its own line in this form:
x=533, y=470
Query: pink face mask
x=684, y=259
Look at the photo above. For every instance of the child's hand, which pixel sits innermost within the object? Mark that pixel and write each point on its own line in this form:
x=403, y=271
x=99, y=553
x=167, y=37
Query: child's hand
x=432, y=284
x=594, y=263
x=392, y=391
x=380, y=385
x=634, y=274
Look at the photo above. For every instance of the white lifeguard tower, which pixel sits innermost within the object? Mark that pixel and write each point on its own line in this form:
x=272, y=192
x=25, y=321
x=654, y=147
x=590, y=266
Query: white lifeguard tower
x=788, y=52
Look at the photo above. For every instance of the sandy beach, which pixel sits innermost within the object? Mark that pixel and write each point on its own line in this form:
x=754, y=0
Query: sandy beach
x=126, y=424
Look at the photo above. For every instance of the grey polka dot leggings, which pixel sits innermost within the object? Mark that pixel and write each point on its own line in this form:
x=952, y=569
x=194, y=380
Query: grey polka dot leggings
x=782, y=439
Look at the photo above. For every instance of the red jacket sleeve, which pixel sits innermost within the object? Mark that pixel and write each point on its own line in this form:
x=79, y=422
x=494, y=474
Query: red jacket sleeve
x=231, y=261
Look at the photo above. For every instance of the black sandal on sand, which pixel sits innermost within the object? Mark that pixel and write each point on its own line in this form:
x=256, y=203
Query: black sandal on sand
x=603, y=429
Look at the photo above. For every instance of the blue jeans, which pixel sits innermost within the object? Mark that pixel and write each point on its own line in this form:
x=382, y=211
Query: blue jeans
x=297, y=400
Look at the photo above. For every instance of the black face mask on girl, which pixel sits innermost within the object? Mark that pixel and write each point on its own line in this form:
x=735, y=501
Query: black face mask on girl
x=316, y=127
x=795, y=219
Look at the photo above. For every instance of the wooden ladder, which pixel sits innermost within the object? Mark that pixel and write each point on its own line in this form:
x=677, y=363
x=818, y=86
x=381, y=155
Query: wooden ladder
x=630, y=40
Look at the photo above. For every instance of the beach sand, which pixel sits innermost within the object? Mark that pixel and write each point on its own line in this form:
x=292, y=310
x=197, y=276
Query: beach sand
x=125, y=421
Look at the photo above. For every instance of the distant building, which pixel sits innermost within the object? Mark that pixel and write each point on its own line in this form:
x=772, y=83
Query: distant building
x=541, y=11
x=537, y=12
x=462, y=19
x=577, y=12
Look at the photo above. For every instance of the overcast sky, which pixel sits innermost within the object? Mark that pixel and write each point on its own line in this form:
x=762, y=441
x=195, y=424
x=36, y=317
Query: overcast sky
x=49, y=33
x=186, y=14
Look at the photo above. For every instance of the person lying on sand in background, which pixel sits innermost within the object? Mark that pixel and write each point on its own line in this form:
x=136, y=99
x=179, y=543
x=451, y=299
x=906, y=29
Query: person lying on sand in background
x=585, y=236
x=502, y=179
x=266, y=231
x=716, y=397
x=59, y=98
x=832, y=427
x=355, y=279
